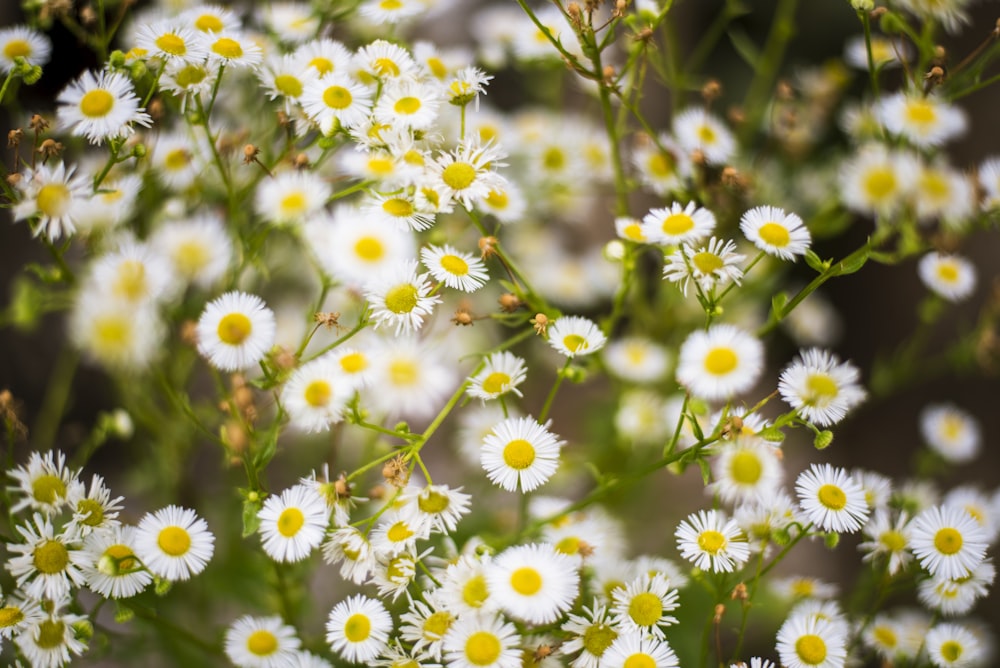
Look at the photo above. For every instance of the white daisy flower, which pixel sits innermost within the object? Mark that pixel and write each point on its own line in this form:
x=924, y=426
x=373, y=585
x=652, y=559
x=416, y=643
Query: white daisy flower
x=506, y=202
x=457, y=270
x=382, y=60
x=169, y=40
x=884, y=635
x=400, y=209
x=466, y=85
x=425, y=626
x=291, y=196
x=354, y=364
x=947, y=541
x=640, y=606
x=520, y=453
x=198, y=249
x=809, y=641
x=957, y=597
x=406, y=103
x=112, y=205
x=637, y=359
x=709, y=266
x=112, y=568
x=678, y=224
x=231, y=48
x=712, y=541
x=380, y=12
x=51, y=642
x=502, y=372
x=291, y=21
x=642, y=417
x=54, y=195
x=43, y=483
x=441, y=506
x=951, y=645
x=889, y=538
x=662, y=171
x=633, y=650
x=989, y=181
x=574, y=335
x=188, y=80
x=324, y=56
x=174, y=543
x=720, y=362
x=94, y=509
x=116, y=334
x=821, y=387
x=950, y=276
x=775, y=232
x=261, y=642
x=533, y=583
x=285, y=76
x=409, y=378
x=630, y=229
x=400, y=297
x=464, y=589
x=133, y=274
x=336, y=100
x=980, y=506
x=878, y=488
x=398, y=531
x=100, y=106
x=350, y=548
x=832, y=499
x=352, y=252
x=951, y=432
x=877, y=180
x=801, y=587
x=468, y=173
x=482, y=642
x=886, y=52
x=699, y=130
x=208, y=18
x=745, y=470
x=294, y=523
x=393, y=574
x=45, y=565
x=17, y=614
x=177, y=159
x=235, y=331
x=23, y=42
x=316, y=394
x=944, y=193
x=591, y=634
x=924, y=120
x=358, y=628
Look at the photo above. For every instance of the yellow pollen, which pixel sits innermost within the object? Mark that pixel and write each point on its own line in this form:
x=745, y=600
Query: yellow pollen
x=318, y=393
x=398, y=532
x=458, y=175
x=407, y=105
x=436, y=67
x=526, y=581
x=706, y=134
x=130, y=281
x=885, y=636
x=661, y=165
x=832, y=497
x=745, y=467
x=97, y=103
x=122, y=555
x=598, y=638
x=51, y=634
x=321, y=65
x=880, y=183
x=475, y=593
x=357, y=628
x=172, y=44
x=519, y=454
x=569, y=545
x=288, y=85
x=821, y=389
x=893, y=540
x=9, y=616
x=947, y=272
x=645, y=609
x=711, y=541
x=554, y=158
x=633, y=232
x=496, y=382
x=179, y=158
x=15, y=48
x=337, y=97
x=575, y=343
x=48, y=488
x=437, y=625
x=433, y=503
x=398, y=207
x=402, y=298
x=111, y=334
x=191, y=75
x=803, y=588
x=707, y=263
x=174, y=541
x=482, y=648
x=404, y=373
x=948, y=541
x=353, y=362
x=935, y=185
x=811, y=649
x=381, y=166
x=262, y=643
x=639, y=660
x=920, y=112
x=677, y=223
x=951, y=651
x=208, y=23
x=227, y=48
x=53, y=199
x=191, y=257
x=386, y=66
x=234, y=328
x=369, y=249
x=50, y=558
x=720, y=361
x=93, y=511
x=488, y=132
x=293, y=204
x=454, y=265
x=774, y=234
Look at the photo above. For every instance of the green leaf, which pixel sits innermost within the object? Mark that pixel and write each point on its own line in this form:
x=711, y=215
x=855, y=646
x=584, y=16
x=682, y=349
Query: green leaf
x=853, y=262
x=815, y=262
x=250, y=520
x=778, y=302
x=744, y=46
x=772, y=435
x=265, y=453
x=706, y=471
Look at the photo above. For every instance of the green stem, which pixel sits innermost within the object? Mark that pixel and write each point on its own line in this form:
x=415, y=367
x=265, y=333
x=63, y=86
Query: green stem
x=362, y=323
x=170, y=629
x=547, y=406
x=872, y=73
x=6, y=83
x=56, y=395
x=782, y=29
x=784, y=552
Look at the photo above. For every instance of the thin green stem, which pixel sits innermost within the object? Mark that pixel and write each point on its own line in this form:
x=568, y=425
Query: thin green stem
x=6, y=83
x=872, y=71
x=57, y=393
x=782, y=29
x=547, y=406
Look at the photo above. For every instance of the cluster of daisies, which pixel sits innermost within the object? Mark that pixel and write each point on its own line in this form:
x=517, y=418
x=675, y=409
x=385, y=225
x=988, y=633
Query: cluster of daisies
x=69, y=537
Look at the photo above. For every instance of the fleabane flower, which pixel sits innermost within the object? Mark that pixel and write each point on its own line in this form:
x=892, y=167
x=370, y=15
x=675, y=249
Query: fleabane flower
x=358, y=628
x=533, y=583
x=174, y=543
x=699, y=130
x=950, y=431
x=923, y=120
x=632, y=650
x=457, y=270
x=316, y=394
x=46, y=565
x=947, y=541
x=169, y=40
x=708, y=266
x=502, y=372
x=100, y=107
x=336, y=100
x=261, y=642
x=821, y=387
x=574, y=335
x=485, y=641
x=591, y=634
x=43, y=483
x=950, y=276
x=712, y=541
x=231, y=48
x=112, y=568
x=832, y=499
x=520, y=453
x=746, y=470
x=720, y=362
x=291, y=197
x=468, y=173
x=877, y=180
x=294, y=523
x=52, y=641
x=887, y=535
x=775, y=232
x=641, y=605
x=678, y=224
x=406, y=103
x=637, y=359
x=952, y=645
x=235, y=331
x=23, y=42
x=810, y=641
x=53, y=194
x=400, y=297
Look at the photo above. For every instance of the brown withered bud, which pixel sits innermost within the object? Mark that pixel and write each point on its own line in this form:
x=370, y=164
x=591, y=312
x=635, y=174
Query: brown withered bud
x=155, y=108
x=644, y=35
x=38, y=124
x=10, y=414
x=711, y=91
x=542, y=653
x=740, y=593
x=329, y=319
x=250, y=153
x=342, y=487
x=575, y=15
x=377, y=493
x=509, y=302
x=609, y=74
x=732, y=428
x=940, y=53
x=698, y=157
x=14, y=138
x=488, y=246
x=50, y=148
x=13, y=179
x=736, y=115
x=784, y=91
x=878, y=13
x=235, y=436
x=733, y=178
x=462, y=317
x=541, y=324
x=935, y=76
x=283, y=119
x=284, y=359
x=620, y=7
x=88, y=16
x=301, y=161
x=720, y=609
x=585, y=549
x=189, y=333
x=396, y=472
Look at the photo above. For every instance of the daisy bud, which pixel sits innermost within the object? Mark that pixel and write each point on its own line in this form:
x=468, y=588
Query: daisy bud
x=509, y=302
x=124, y=614
x=38, y=124
x=14, y=138
x=711, y=91
x=831, y=540
x=863, y=5
x=540, y=322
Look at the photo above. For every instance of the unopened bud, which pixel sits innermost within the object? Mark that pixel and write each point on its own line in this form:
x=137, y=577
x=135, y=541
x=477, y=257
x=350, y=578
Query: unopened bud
x=823, y=439
x=509, y=302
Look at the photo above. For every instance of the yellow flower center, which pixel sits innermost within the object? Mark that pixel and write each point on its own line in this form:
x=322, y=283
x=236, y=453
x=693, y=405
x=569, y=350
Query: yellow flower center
x=454, y=265
x=598, y=638
x=706, y=262
x=357, y=628
x=832, y=497
x=16, y=48
x=639, y=660
x=404, y=373
x=288, y=85
x=475, y=593
x=575, y=343
x=811, y=649
x=9, y=616
x=97, y=103
x=496, y=382
x=935, y=186
x=745, y=467
x=398, y=532
x=122, y=555
x=482, y=648
x=402, y=298
x=290, y=521
x=526, y=581
x=951, y=651
x=407, y=105
x=633, y=232
x=208, y=23
x=458, y=175
x=706, y=134
x=234, y=328
x=51, y=634
x=398, y=207
x=885, y=636
x=519, y=454
x=172, y=44
x=711, y=541
x=50, y=557
x=353, y=362
x=893, y=540
x=227, y=48
x=569, y=545
x=111, y=334
x=433, y=503
x=293, y=204
x=436, y=67
x=948, y=541
x=53, y=199
x=191, y=257
x=947, y=272
x=48, y=488
x=130, y=281
x=880, y=183
x=381, y=166
x=437, y=625
x=554, y=158
x=661, y=165
x=803, y=588
x=386, y=66
x=318, y=393
x=337, y=97
x=192, y=75
x=645, y=609
x=179, y=158
x=369, y=249
x=174, y=541
x=774, y=234
x=821, y=389
x=677, y=223
x=322, y=65
x=920, y=112
x=92, y=510
x=720, y=361
x=262, y=643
